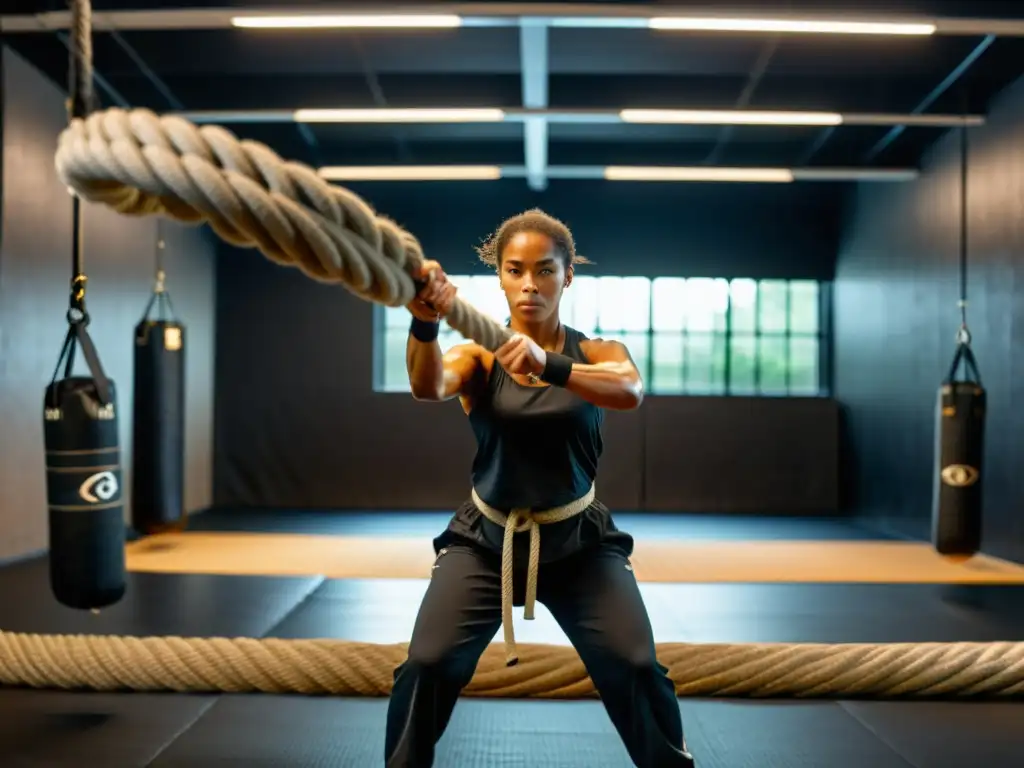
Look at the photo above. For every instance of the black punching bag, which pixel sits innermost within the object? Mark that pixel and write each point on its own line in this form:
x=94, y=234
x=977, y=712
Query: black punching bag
x=959, y=448
x=158, y=444
x=83, y=481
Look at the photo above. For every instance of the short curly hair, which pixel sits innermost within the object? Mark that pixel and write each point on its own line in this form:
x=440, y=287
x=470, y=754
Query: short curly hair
x=534, y=220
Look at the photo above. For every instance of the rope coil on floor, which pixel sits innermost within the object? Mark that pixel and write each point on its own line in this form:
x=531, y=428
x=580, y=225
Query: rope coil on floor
x=346, y=668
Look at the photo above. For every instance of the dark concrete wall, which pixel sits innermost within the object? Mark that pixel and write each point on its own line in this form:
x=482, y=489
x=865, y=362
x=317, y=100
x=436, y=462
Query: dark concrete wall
x=299, y=425
x=896, y=318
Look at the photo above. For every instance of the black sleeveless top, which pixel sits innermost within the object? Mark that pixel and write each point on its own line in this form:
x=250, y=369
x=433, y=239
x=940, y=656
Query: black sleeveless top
x=537, y=447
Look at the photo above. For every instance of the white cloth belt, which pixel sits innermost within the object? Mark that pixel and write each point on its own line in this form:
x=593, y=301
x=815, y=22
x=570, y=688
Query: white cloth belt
x=521, y=520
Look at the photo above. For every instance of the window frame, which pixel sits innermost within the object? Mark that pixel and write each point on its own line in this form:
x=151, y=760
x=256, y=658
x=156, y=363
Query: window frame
x=385, y=335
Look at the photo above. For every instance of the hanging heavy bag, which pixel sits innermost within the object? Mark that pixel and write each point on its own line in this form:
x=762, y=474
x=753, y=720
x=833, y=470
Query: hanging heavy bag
x=959, y=448
x=158, y=444
x=83, y=480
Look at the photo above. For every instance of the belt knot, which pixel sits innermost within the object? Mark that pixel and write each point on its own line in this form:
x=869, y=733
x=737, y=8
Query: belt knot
x=524, y=520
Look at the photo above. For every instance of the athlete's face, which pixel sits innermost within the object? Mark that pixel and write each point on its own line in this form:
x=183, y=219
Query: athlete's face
x=533, y=276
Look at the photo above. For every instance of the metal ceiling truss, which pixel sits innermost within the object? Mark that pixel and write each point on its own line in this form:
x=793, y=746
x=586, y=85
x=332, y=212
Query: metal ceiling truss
x=566, y=15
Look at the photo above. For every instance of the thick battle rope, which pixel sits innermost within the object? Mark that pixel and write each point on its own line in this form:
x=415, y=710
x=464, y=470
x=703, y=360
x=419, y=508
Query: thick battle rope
x=343, y=668
x=140, y=164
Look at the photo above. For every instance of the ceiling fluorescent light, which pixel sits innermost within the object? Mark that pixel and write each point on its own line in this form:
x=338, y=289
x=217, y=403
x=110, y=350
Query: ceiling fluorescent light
x=728, y=117
x=399, y=115
x=823, y=26
x=411, y=173
x=349, y=21
x=664, y=173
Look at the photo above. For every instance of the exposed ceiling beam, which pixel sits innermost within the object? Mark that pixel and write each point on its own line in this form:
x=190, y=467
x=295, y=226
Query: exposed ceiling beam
x=376, y=93
x=147, y=71
x=757, y=73
x=584, y=15
x=584, y=116
x=958, y=72
x=533, y=62
x=101, y=81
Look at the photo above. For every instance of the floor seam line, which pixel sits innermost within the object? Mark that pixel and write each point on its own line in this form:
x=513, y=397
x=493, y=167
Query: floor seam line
x=860, y=721
x=185, y=729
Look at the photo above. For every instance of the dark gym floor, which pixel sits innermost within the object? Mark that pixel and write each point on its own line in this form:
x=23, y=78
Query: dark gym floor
x=47, y=728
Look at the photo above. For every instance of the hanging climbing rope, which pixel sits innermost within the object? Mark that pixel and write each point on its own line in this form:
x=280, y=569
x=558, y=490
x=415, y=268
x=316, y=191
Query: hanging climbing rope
x=138, y=163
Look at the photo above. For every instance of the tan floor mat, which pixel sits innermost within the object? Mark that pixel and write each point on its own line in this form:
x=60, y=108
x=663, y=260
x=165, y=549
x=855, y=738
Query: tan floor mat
x=339, y=557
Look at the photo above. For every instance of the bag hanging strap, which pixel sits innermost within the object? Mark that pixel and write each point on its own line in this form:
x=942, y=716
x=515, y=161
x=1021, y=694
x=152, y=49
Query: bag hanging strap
x=160, y=298
x=964, y=354
x=78, y=335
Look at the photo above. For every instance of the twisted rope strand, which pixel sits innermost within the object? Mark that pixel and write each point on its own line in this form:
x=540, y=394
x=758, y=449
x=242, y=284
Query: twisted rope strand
x=141, y=164
x=344, y=668
x=80, y=67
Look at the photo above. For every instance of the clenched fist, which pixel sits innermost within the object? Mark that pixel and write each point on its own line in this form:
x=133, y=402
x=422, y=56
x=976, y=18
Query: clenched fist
x=434, y=299
x=521, y=355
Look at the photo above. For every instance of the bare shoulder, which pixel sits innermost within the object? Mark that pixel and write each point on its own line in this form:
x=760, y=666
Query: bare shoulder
x=600, y=350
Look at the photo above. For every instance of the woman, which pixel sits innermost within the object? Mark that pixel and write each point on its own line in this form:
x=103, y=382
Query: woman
x=535, y=406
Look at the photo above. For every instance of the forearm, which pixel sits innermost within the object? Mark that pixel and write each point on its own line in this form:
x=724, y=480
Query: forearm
x=614, y=386
x=425, y=363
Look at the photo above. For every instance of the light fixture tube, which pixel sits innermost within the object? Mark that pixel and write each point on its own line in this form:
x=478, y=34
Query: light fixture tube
x=385, y=115
x=797, y=26
x=668, y=173
x=348, y=21
x=411, y=173
x=728, y=117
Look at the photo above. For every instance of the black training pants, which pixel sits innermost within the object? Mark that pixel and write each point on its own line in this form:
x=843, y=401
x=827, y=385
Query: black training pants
x=594, y=597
